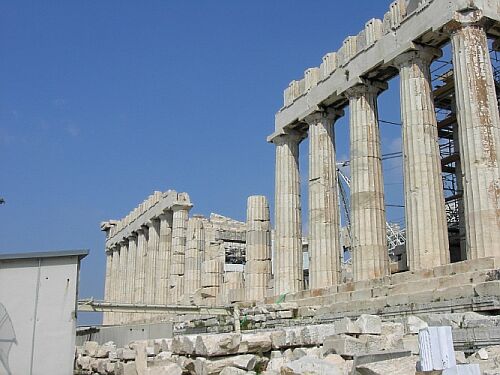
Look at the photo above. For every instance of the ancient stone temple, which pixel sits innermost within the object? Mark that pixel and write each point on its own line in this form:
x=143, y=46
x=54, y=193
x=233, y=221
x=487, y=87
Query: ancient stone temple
x=158, y=255
x=291, y=305
x=404, y=43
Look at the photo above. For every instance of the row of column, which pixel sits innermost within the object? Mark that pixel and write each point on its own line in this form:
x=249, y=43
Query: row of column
x=427, y=237
x=172, y=258
x=146, y=267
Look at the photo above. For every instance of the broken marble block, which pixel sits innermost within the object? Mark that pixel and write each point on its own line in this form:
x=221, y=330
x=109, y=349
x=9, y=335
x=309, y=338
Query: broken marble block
x=344, y=345
x=311, y=365
x=436, y=349
x=217, y=345
x=347, y=326
x=369, y=324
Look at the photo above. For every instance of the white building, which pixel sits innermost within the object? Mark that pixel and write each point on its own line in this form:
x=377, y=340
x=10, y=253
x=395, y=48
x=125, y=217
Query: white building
x=38, y=299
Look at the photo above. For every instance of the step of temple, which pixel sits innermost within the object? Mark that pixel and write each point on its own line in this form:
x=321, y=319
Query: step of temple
x=400, y=282
x=458, y=287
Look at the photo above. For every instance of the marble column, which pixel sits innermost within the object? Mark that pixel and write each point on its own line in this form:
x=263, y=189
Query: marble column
x=152, y=254
x=212, y=271
x=324, y=226
x=368, y=223
x=130, y=283
x=139, y=266
x=460, y=191
x=288, y=272
x=479, y=133
x=195, y=248
x=115, y=286
x=258, y=249
x=164, y=256
x=179, y=228
x=426, y=226
x=122, y=293
x=233, y=287
x=108, y=282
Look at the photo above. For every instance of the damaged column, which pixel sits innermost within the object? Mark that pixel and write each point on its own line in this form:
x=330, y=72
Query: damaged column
x=212, y=270
x=288, y=273
x=152, y=254
x=164, y=257
x=108, y=284
x=140, y=277
x=130, y=282
x=194, y=255
x=179, y=228
x=324, y=231
x=233, y=286
x=426, y=225
x=368, y=224
x=479, y=133
x=122, y=288
x=115, y=285
x=258, y=249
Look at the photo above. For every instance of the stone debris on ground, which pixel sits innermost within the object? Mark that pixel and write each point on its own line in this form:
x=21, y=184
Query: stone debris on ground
x=366, y=346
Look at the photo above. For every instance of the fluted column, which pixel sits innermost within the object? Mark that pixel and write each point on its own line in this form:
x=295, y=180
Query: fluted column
x=130, y=282
x=195, y=248
x=108, y=283
x=324, y=231
x=179, y=227
x=115, y=286
x=115, y=289
x=152, y=254
x=139, y=266
x=164, y=256
x=368, y=224
x=479, y=133
x=122, y=292
x=258, y=248
x=460, y=191
x=288, y=277
x=426, y=226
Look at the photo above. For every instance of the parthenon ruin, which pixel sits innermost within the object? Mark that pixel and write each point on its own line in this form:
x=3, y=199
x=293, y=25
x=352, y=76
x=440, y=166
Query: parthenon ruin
x=405, y=42
x=351, y=296
x=157, y=255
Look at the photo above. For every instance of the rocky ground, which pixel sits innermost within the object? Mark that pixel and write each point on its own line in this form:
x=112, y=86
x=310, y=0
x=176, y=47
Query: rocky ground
x=367, y=346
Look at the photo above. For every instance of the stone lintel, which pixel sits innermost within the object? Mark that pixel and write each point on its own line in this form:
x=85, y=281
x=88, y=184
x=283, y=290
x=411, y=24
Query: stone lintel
x=171, y=201
x=422, y=52
x=425, y=24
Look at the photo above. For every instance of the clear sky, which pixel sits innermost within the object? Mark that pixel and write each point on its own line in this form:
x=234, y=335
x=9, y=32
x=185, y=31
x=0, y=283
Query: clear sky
x=103, y=102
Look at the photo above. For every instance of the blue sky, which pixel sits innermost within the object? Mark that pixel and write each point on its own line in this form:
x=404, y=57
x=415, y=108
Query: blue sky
x=103, y=102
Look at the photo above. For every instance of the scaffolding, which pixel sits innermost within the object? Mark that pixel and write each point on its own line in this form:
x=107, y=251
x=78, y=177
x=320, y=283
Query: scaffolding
x=444, y=101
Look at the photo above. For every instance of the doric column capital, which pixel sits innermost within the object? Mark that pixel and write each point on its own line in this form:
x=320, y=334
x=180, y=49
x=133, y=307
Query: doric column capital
x=181, y=206
x=291, y=136
x=421, y=53
x=366, y=87
x=132, y=237
x=466, y=18
x=153, y=222
x=165, y=216
x=328, y=114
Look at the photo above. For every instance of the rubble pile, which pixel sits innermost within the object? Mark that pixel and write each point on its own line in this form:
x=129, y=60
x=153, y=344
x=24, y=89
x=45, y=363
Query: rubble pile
x=366, y=346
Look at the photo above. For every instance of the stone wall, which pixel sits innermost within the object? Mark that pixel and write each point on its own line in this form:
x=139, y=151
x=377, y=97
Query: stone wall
x=344, y=347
